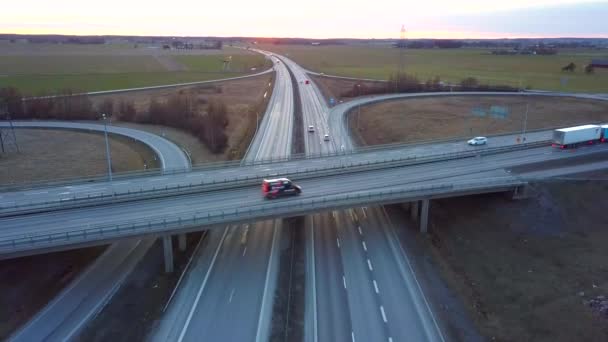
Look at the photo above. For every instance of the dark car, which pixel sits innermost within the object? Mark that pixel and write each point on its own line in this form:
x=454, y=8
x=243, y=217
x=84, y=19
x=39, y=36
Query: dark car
x=273, y=188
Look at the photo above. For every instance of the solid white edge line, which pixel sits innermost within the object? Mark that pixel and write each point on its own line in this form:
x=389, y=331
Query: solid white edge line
x=407, y=260
x=275, y=237
x=314, y=282
x=184, y=271
x=200, y=290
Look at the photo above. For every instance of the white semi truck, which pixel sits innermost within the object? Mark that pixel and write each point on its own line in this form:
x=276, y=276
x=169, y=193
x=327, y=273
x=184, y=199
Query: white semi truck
x=574, y=136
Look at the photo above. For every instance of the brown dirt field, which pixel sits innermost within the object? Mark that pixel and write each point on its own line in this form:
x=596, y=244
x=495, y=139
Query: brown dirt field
x=450, y=117
x=243, y=97
x=46, y=155
x=528, y=278
x=28, y=283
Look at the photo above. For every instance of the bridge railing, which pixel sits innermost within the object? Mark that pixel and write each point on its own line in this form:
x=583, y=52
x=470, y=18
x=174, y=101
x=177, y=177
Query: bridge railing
x=228, y=164
x=240, y=181
x=162, y=224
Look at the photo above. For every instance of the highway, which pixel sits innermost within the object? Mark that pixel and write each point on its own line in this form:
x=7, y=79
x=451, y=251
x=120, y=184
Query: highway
x=237, y=280
x=63, y=317
x=362, y=273
x=360, y=265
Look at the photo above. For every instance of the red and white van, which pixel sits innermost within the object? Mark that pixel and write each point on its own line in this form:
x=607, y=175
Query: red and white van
x=273, y=188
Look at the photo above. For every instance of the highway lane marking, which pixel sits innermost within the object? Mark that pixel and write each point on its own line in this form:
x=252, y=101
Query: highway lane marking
x=194, y=175
x=64, y=193
x=157, y=179
x=122, y=183
x=383, y=314
x=352, y=335
x=376, y=287
x=390, y=339
x=344, y=281
x=360, y=231
x=244, y=250
x=369, y=265
x=35, y=193
x=200, y=290
x=364, y=246
x=231, y=295
x=364, y=212
x=185, y=270
x=338, y=242
x=333, y=214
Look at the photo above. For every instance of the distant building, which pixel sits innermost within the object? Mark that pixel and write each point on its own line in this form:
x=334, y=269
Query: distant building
x=599, y=63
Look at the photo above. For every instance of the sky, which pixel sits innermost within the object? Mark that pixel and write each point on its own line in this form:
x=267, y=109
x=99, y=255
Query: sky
x=310, y=18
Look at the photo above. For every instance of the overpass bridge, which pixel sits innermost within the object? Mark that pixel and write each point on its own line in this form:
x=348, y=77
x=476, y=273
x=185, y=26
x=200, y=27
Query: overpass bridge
x=338, y=182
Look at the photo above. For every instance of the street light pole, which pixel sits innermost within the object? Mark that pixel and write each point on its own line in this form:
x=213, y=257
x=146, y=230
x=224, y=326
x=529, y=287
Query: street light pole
x=525, y=122
x=108, y=156
x=359, y=106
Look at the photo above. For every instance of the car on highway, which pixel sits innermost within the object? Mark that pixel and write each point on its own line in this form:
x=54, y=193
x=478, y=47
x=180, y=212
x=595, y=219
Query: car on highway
x=278, y=187
x=311, y=129
x=307, y=82
x=478, y=141
x=326, y=137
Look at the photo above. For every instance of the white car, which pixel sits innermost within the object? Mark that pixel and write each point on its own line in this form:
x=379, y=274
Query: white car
x=326, y=137
x=478, y=141
x=311, y=129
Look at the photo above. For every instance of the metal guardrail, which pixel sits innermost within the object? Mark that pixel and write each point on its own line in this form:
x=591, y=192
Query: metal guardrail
x=222, y=165
x=244, y=181
x=51, y=238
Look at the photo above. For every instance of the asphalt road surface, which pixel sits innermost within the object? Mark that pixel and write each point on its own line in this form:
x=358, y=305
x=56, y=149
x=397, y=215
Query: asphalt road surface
x=67, y=313
x=360, y=266
x=238, y=283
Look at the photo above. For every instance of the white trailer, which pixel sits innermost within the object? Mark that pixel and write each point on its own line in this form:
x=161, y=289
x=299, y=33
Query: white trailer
x=572, y=136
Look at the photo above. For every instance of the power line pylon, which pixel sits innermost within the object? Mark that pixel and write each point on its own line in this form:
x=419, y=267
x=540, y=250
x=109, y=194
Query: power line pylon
x=8, y=139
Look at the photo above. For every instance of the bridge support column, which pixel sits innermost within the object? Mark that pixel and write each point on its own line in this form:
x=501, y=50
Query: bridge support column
x=168, y=249
x=520, y=192
x=181, y=240
x=414, y=210
x=424, y=216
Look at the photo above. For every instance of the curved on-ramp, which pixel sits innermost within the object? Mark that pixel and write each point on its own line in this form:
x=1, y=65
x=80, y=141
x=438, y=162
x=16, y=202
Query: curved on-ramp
x=341, y=133
x=70, y=310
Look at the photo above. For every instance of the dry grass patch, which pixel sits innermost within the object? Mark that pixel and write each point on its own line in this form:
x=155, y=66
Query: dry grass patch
x=244, y=98
x=449, y=117
x=55, y=154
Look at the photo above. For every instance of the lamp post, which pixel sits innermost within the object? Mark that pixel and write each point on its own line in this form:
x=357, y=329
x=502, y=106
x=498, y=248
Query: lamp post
x=108, y=156
x=525, y=122
x=359, y=106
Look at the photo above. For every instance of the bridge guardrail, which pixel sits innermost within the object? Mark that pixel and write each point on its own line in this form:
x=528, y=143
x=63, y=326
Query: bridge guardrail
x=239, y=182
x=228, y=164
x=50, y=238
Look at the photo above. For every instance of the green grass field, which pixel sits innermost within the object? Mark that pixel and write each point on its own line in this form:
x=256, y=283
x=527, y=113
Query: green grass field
x=537, y=72
x=38, y=69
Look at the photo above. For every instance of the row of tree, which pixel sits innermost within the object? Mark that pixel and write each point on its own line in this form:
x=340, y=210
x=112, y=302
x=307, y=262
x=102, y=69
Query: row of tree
x=406, y=83
x=183, y=111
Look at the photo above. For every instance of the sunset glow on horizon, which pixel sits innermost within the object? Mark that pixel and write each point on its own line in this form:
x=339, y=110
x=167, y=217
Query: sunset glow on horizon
x=312, y=19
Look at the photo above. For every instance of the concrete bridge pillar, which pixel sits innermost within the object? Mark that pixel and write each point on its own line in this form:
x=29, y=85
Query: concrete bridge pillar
x=414, y=210
x=181, y=240
x=168, y=249
x=424, y=216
